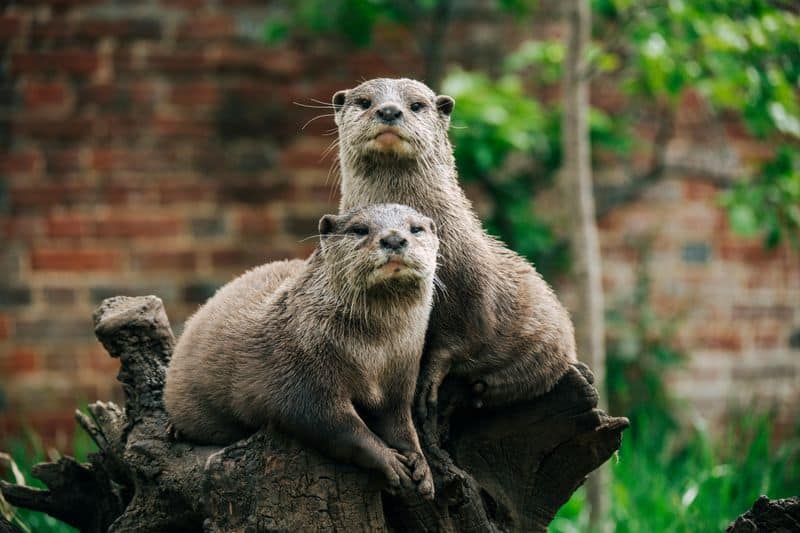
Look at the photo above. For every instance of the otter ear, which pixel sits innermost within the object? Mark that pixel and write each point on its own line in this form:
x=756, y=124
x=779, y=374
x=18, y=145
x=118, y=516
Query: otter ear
x=445, y=104
x=338, y=100
x=327, y=224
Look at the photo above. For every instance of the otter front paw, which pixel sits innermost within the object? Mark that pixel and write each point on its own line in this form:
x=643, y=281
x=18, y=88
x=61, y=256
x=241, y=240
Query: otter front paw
x=398, y=475
x=420, y=473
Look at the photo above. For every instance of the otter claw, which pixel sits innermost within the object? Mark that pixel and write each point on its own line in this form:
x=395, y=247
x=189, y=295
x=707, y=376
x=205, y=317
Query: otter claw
x=421, y=474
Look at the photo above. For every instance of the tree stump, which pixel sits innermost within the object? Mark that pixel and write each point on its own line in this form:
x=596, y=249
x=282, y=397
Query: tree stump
x=509, y=469
x=769, y=516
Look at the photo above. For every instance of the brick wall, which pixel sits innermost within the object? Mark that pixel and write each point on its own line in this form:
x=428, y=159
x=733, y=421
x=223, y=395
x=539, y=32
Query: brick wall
x=154, y=148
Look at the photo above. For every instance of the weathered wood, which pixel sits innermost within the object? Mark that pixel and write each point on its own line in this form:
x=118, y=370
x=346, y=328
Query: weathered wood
x=769, y=516
x=509, y=469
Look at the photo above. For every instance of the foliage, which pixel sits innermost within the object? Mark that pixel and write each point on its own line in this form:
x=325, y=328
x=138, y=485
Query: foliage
x=669, y=477
x=769, y=206
x=744, y=57
x=355, y=20
x=26, y=452
x=504, y=143
x=694, y=482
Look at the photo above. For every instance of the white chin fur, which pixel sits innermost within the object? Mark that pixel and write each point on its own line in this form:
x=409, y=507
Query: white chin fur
x=396, y=146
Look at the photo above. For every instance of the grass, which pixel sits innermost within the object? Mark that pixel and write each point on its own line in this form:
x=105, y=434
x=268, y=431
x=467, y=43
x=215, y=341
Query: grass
x=24, y=453
x=687, y=481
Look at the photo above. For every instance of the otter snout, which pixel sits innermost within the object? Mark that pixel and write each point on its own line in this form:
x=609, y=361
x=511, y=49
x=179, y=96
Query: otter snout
x=393, y=242
x=389, y=114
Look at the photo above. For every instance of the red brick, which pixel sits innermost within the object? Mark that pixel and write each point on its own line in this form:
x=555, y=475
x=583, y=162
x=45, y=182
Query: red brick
x=10, y=25
x=64, y=160
x=105, y=159
x=278, y=62
x=69, y=226
x=59, y=29
x=699, y=190
x=20, y=162
x=257, y=224
x=45, y=195
x=167, y=260
x=21, y=360
x=305, y=154
x=228, y=257
x=75, y=260
x=195, y=94
x=185, y=4
x=72, y=61
x=46, y=94
x=207, y=27
x=19, y=227
x=182, y=128
x=763, y=312
x=719, y=340
x=141, y=225
x=119, y=28
x=72, y=128
x=186, y=192
x=739, y=249
x=178, y=62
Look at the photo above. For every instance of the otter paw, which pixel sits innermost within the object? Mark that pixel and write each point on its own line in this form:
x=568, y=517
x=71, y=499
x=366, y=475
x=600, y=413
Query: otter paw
x=420, y=473
x=398, y=475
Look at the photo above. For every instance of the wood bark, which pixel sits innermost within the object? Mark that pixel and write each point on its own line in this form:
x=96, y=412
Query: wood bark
x=769, y=516
x=579, y=199
x=508, y=470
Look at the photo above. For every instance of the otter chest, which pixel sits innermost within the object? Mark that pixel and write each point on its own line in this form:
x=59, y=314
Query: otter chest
x=381, y=365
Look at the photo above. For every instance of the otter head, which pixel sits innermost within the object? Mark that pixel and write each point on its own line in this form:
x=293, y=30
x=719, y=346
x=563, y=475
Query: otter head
x=384, y=247
x=392, y=118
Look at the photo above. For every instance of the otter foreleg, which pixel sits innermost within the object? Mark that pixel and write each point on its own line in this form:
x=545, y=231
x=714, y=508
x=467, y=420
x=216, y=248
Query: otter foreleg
x=344, y=436
x=397, y=429
x=431, y=378
x=526, y=379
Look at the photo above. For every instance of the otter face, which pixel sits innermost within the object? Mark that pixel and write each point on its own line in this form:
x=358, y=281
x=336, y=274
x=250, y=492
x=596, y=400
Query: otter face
x=380, y=246
x=399, y=118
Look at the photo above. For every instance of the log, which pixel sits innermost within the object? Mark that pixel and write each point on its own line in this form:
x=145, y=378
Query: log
x=781, y=516
x=507, y=469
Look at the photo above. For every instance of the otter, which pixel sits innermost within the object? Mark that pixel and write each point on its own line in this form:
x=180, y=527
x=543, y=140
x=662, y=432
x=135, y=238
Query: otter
x=497, y=324
x=317, y=347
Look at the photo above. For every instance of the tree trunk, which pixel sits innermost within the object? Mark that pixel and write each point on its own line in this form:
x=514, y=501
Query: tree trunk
x=579, y=198
x=510, y=470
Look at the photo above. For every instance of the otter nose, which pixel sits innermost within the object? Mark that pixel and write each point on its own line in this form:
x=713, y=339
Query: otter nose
x=389, y=113
x=393, y=242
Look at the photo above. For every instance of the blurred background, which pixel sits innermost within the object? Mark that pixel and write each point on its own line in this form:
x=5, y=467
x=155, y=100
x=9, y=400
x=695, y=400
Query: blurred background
x=162, y=147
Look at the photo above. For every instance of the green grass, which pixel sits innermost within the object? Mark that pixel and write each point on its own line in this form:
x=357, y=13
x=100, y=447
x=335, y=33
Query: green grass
x=674, y=481
x=27, y=451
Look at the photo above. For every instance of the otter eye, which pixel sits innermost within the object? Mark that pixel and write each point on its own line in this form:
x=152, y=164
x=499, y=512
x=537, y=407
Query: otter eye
x=417, y=107
x=364, y=103
x=358, y=230
x=417, y=229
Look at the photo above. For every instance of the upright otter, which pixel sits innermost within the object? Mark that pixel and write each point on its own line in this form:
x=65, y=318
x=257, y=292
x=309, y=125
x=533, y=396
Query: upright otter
x=497, y=323
x=317, y=347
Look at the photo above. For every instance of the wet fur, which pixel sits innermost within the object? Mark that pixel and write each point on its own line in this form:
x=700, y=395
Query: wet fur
x=497, y=322
x=321, y=348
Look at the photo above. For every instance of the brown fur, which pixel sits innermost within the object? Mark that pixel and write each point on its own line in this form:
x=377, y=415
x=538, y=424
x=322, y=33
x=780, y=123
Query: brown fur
x=496, y=323
x=318, y=347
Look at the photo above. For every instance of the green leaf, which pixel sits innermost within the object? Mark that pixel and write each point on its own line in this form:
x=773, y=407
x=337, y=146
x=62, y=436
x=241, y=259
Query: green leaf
x=743, y=220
